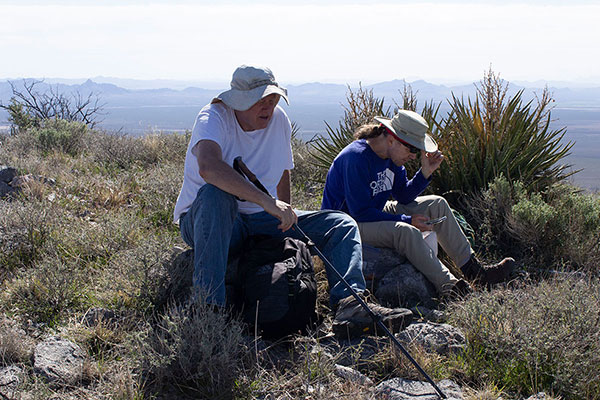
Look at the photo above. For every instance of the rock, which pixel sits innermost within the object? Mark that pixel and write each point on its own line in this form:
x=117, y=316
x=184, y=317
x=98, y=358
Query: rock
x=58, y=359
x=404, y=389
x=352, y=375
x=5, y=189
x=96, y=315
x=7, y=174
x=19, y=181
x=428, y=314
x=405, y=286
x=10, y=379
x=176, y=277
x=379, y=261
x=438, y=338
x=539, y=396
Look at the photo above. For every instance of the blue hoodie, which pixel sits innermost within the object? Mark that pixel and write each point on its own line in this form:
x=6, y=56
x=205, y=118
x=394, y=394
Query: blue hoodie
x=359, y=183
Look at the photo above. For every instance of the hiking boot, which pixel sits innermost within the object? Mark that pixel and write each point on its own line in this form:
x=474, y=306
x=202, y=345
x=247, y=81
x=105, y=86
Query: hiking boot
x=352, y=320
x=488, y=274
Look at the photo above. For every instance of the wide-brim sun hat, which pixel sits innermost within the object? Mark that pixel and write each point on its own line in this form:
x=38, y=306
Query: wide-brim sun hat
x=249, y=85
x=410, y=127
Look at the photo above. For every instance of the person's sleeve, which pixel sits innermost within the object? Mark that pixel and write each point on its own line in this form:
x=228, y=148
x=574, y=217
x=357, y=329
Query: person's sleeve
x=359, y=201
x=404, y=190
x=209, y=126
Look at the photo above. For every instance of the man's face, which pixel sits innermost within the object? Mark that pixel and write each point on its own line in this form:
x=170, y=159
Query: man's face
x=259, y=115
x=399, y=153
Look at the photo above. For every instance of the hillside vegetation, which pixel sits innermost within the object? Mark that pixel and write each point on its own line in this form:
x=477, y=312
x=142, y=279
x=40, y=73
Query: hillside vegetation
x=96, y=231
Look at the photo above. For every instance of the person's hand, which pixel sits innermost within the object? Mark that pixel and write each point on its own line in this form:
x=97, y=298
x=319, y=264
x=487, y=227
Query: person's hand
x=418, y=221
x=430, y=162
x=283, y=212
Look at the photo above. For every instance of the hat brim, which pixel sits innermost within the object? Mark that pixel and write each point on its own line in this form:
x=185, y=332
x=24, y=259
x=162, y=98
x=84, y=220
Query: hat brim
x=242, y=100
x=428, y=143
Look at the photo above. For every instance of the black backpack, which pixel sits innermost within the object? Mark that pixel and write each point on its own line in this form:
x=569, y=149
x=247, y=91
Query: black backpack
x=277, y=286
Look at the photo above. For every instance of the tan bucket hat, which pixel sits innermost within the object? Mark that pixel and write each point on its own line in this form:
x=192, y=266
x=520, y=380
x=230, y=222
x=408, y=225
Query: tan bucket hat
x=410, y=127
x=249, y=85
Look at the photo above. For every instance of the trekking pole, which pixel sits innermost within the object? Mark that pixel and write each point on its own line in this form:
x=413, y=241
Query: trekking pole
x=243, y=169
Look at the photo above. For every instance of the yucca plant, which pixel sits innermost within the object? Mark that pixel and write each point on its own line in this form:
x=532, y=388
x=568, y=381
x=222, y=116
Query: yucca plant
x=492, y=136
x=362, y=108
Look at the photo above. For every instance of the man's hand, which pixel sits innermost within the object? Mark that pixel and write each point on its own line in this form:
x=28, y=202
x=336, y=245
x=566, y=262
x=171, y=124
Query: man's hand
x=283, y=212
x=430, y=162
x=418, y=221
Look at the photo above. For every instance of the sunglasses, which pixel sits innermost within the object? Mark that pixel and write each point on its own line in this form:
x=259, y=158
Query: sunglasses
x=411, y=148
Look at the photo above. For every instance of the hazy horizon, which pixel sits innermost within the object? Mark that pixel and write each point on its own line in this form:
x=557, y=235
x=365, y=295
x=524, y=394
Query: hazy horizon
x=333, y=41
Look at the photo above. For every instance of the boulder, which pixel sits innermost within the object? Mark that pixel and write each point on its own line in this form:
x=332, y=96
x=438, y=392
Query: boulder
x=10, y=379
x=539, y=396
x=5, y=189
x=7, y=174
x=352, y=375
x=438, y=338
x=58, y=359
x=404, y=389
x=405, y=286
x=97, y=315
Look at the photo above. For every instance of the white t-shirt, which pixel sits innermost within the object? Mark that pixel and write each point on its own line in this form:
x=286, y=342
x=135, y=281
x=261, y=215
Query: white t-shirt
x=267, y=152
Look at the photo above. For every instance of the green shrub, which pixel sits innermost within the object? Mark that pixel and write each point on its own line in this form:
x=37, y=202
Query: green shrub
x=48, y=293
x=542, y=337
x=60, y=135
x=560, y=227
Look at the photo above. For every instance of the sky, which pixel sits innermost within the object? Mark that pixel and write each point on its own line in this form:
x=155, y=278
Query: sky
x=302, y=41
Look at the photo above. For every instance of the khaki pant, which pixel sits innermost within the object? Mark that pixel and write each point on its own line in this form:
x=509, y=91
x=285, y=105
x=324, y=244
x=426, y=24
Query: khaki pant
x=408, y=240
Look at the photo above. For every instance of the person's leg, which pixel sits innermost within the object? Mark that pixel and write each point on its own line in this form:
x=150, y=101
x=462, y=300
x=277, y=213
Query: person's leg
x=450, y=235
x=335, y=234
x=453, y=240
x=407, y=240
x=209, y=226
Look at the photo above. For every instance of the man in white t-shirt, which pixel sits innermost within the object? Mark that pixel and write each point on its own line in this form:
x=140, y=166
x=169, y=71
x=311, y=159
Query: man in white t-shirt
x=246, y=121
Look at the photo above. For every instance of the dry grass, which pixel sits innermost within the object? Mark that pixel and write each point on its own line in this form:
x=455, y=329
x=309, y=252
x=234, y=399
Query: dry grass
x=98, y=237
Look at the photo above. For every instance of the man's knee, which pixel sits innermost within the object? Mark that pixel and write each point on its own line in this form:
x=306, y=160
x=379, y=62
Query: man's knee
x=406, y=233
x=217, y=199
x=340, y=219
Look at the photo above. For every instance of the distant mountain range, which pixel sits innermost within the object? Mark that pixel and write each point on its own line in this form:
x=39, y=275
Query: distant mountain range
x=144, y=106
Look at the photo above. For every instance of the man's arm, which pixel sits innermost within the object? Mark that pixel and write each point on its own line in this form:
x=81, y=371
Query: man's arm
x=216, y=172
x=284, y=192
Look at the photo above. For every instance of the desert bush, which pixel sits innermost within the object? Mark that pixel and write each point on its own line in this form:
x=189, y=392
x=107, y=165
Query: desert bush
x=539, y=337
x=307, y=178
x=192, y=348
x=15, y=345
x=557, y=228
x=122, y=152
x=24, y=233
x=48, y=293
x=158, y=188
x=560, y=226
x=60, y=135
x=489, y=212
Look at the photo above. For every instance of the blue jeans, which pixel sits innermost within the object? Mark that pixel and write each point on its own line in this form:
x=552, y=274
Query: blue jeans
x=213, y=227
